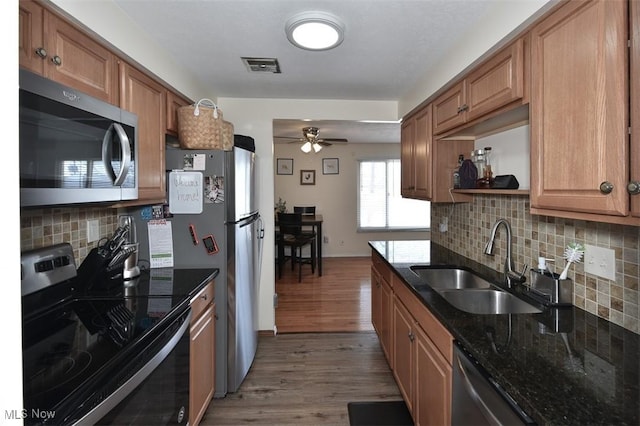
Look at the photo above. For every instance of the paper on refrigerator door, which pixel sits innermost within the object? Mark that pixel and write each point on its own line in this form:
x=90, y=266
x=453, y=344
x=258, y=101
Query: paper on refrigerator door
x=160, y=244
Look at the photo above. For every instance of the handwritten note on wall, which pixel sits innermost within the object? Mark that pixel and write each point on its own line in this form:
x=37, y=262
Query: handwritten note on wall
x=185, y=192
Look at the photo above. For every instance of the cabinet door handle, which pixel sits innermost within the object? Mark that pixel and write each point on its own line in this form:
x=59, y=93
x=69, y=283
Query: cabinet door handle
x=204, y=297
x=606, y=187
x=463, y=108
x=411, y=336
x=41, y=52
x=56, y=60
x=633, y=188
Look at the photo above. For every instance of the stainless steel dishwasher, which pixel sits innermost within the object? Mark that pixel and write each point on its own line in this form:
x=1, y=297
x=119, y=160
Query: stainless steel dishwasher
x=478, y=399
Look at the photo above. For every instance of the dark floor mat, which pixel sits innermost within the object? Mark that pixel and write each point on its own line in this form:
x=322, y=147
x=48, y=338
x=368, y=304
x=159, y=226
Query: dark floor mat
x=379, y=413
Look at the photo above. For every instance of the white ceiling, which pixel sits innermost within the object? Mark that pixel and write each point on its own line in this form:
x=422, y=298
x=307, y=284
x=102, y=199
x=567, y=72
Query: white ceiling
x=389, y=45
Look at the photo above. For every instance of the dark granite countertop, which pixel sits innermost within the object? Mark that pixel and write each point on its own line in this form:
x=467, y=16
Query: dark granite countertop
x=174, y=281
x=158, y=282
x=563, y=366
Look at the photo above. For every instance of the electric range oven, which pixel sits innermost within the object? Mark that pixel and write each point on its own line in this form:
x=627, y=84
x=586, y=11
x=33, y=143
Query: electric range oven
x=103, y=356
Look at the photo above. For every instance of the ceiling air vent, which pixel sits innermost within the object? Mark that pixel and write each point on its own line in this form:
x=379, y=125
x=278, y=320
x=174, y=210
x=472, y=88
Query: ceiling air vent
x=262, y=65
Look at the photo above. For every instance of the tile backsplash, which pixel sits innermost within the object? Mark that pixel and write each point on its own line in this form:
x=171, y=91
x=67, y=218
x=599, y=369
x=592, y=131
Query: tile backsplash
x=48, y=226
x=469, y=225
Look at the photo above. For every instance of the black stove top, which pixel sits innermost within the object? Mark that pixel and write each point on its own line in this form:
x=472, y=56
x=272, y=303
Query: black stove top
x=78, y=336
x=87, y=340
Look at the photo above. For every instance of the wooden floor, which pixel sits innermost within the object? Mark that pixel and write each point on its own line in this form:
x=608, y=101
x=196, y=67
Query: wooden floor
x=340, y=300
x=324, y=356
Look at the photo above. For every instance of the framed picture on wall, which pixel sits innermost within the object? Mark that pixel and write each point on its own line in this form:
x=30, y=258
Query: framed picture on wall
x=330, y=166
x=284, y=166
x=307, y=177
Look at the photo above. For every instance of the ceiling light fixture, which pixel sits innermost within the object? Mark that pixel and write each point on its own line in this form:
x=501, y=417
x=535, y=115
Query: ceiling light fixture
x=307, y=146
x=315, y=31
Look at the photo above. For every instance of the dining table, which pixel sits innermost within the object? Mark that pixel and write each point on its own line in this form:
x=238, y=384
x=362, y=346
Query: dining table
x=314, y=221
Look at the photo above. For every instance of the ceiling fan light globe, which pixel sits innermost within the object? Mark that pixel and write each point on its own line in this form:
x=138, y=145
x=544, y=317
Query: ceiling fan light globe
x=306, y=147
x=317, y=147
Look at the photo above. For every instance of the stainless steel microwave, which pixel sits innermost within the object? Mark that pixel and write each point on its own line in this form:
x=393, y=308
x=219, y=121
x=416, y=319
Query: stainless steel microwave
x=73, y=148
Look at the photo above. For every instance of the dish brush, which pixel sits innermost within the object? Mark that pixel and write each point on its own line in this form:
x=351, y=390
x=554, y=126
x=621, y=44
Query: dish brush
x=572, y=254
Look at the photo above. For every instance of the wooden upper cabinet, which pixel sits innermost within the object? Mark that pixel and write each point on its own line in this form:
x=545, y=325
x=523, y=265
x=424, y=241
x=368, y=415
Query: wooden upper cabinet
x=407, y=165
x=415, y=155
x=634, y=13
x=145, y=97
x=579, y=109
x=30, y=36
x=449, y=109
x=174, y=101
x=59, y=51
x=496, y=83
x=422, y=154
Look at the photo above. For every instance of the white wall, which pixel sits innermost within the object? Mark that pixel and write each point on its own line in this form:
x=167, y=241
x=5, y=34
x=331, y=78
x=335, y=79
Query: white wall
x=509, y=153
x=335, y=196
x=107, y=20
x=505, y=18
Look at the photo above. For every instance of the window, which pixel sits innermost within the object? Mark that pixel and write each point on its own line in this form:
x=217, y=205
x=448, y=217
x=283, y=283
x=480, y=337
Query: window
x=380, y=205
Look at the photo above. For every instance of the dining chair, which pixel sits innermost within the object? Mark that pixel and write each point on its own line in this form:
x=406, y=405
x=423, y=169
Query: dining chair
x=290, y=235
x=306, y=210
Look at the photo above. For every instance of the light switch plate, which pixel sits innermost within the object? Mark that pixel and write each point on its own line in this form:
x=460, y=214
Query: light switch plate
x=93, y=230
x=600, y=261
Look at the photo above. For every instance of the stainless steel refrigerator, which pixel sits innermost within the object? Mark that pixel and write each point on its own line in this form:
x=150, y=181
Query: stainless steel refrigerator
x=223, y=230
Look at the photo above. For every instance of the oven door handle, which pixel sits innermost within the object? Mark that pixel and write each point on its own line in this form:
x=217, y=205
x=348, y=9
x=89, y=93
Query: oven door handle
x=130, y=385
x=125, y=160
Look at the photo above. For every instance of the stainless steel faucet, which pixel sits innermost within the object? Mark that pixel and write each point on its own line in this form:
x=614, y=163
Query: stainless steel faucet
x=510, y=276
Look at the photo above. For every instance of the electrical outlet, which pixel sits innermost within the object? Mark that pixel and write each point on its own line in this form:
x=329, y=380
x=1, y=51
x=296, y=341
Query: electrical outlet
x=444, y=224
x=325, y=239
x=93, y=230
x=600, y=261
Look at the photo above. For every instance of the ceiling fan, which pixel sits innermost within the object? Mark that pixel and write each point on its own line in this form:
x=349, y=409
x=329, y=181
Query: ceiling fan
x=310, y=140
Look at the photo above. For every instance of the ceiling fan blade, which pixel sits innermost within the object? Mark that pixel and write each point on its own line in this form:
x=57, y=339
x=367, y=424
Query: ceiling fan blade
x=333, y=140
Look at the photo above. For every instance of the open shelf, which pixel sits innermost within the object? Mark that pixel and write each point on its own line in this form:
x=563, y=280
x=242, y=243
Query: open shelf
x=492, y=191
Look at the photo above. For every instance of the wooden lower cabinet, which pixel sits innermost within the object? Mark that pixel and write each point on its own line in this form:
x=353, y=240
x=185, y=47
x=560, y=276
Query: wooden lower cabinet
x=382, y=305
x=422, y=373
x=386, y=319
x=403, y=352
x=433, y=375
x=202, y=354
x=420, y=349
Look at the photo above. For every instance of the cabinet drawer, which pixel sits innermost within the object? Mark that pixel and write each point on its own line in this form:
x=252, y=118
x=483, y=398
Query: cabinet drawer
x=200, y=302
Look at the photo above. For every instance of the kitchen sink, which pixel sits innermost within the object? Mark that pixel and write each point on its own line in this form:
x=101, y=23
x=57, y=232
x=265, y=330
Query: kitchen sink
x=487, y=301
x=449, y=278
x=469, y=292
